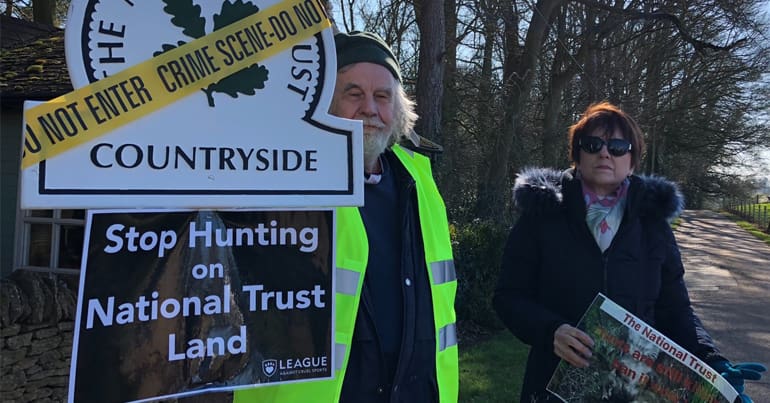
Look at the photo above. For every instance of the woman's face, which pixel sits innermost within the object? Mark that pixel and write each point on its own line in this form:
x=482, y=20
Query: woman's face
x=601, y=171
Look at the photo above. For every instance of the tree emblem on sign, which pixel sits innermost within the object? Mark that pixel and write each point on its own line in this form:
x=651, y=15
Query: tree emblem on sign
x=187, y=16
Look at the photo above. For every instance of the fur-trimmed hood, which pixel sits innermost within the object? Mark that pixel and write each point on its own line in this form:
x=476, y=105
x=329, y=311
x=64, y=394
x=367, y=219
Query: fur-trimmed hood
x=541, y=190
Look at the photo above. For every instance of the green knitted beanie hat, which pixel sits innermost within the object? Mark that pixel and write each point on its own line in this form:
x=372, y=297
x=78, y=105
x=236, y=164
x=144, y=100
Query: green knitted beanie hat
x=358, y=47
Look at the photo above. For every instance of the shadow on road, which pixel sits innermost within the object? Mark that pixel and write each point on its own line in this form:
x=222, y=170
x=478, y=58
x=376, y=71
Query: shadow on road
x=728, y=276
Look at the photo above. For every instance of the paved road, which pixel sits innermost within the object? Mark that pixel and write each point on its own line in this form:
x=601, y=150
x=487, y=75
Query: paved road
x=727, y=271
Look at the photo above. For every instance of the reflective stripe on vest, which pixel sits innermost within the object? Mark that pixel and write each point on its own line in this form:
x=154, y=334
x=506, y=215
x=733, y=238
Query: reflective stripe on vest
x=443, y=271
x=346, y=281
x=340, y=351
x=352, y=254
x=447, y=337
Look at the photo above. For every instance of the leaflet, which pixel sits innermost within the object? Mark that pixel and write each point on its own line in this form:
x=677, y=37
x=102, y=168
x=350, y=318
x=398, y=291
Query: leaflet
x=633, y=362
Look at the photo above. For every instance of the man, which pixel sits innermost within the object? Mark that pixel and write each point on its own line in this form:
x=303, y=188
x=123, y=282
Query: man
x=395, y=336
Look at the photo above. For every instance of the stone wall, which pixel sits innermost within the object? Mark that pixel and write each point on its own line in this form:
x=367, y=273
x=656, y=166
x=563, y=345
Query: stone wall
x=37, y=314
x=37, y=318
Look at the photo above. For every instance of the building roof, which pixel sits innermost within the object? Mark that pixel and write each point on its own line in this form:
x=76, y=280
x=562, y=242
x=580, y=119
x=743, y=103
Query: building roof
x=34, y=69
x=15, y=31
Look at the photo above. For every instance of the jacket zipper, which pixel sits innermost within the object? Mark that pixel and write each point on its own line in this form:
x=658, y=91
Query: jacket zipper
x=410, y=196
x=606, y=255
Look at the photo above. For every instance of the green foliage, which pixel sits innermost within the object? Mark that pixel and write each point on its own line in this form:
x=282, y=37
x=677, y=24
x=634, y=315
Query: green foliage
x=492, y=371
x=478, y=248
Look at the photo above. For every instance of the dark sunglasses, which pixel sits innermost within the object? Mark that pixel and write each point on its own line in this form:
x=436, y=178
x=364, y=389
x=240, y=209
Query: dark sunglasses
x=616, y=147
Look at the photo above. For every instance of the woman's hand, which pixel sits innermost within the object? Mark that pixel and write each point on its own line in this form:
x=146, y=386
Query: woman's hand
x=572, y=345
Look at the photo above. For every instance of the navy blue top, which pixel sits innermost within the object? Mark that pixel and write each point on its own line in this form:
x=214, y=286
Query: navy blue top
x=381, y=217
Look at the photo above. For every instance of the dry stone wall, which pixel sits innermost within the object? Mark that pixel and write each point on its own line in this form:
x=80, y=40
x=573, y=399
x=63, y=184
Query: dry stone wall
x=37, y=320
x=37, y=313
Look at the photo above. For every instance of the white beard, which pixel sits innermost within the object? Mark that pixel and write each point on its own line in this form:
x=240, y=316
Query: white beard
x=376, y=141
x=374, y=144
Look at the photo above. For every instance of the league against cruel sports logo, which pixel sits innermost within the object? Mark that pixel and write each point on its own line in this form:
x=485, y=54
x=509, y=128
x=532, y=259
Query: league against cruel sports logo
x=269, y=367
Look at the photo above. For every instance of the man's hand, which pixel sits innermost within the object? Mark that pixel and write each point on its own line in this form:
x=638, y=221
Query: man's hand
x=572, y=345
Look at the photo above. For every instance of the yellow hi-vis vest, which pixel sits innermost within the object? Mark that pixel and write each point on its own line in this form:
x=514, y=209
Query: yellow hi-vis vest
x=351, y=260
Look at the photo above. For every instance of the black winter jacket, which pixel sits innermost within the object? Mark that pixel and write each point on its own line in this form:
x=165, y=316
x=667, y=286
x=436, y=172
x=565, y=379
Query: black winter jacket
x=366, y=378
x=552, y=268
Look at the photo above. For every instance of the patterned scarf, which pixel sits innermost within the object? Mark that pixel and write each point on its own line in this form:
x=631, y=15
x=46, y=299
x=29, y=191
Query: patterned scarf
x=604, y=213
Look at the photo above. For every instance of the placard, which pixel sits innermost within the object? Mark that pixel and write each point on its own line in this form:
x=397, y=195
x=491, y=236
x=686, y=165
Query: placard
x=176, y=303
x=633, y=362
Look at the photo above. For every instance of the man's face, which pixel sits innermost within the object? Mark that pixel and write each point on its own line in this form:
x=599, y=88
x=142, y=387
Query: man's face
x=366, y=91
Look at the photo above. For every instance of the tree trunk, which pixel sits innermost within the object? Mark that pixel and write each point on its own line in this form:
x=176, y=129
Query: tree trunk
x=447, y=162
x=430, y=71
x=518, y=69
x=43, y=11
x=564, y=69
x=553, y=144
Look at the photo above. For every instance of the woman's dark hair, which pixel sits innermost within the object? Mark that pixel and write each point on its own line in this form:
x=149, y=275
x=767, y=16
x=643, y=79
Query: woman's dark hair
x=606, y=118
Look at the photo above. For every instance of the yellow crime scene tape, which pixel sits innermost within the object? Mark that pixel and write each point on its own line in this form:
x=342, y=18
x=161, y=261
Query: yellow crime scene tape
x=75, y=118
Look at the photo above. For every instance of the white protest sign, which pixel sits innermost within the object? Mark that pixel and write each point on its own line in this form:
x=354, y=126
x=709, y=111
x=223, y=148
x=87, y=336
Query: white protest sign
x=213, y=104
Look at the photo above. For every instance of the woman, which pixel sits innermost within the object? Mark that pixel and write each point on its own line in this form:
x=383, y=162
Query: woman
x=594, y=228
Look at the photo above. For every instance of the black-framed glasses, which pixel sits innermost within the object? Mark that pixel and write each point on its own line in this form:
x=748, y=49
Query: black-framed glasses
x=616, y=147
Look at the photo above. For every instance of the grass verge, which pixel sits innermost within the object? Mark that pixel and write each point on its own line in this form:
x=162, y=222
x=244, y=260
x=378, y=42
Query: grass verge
x=492, y=370
x=751, y=228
